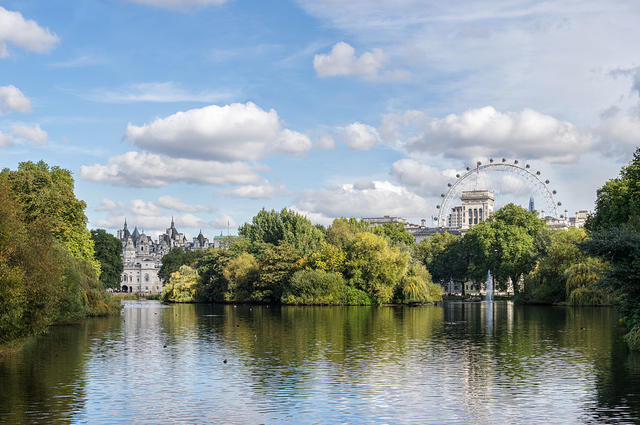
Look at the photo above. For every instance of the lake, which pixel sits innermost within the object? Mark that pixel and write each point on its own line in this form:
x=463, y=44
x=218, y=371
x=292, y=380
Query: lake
x=478, y=363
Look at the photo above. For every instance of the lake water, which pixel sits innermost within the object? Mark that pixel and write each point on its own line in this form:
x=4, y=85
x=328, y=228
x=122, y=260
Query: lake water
x=458, y=363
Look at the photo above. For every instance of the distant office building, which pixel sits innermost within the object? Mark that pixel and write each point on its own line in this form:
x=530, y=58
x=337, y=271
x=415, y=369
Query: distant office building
x=379, y=221
x=532, y=206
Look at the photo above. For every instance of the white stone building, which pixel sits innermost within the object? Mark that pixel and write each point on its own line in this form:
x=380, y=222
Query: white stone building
x=142, y=256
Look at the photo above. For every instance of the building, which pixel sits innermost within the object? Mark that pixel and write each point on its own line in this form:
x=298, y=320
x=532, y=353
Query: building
x=477, y=206
x=455, y=218
x=142, y=256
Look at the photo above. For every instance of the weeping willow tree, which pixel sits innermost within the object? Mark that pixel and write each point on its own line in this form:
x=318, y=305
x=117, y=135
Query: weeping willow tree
x=581, y=285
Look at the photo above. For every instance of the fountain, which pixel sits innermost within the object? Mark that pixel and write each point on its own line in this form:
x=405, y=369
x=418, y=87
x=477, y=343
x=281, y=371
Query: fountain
x=488, y=296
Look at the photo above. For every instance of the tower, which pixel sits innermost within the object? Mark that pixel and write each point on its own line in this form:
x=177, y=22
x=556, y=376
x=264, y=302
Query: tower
x=532, y=206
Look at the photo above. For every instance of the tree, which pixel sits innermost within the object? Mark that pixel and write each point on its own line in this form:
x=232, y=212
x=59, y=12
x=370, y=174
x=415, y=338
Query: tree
x=614, y=232
x=181, y=286
x=618, y=201
x=374, y=267
x=176, y=258
x=286, y=226
x=213, y=284
x=277, y=266
x=395, y=233
x=343, y=230
x=242, y=273
x=108, y=251
x=47, y=192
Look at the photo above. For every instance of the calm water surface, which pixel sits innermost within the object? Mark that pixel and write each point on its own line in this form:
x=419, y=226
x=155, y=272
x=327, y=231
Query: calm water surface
x=457, y=363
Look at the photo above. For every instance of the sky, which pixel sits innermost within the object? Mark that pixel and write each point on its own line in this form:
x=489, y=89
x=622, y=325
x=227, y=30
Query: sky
x=209, y=110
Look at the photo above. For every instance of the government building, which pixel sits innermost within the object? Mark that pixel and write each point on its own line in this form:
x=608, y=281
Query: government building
x=142, y=256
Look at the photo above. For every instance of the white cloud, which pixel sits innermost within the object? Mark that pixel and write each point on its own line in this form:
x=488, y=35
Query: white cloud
x=620, y=134
x=377, y=198
x=315, y=218
x=324, y=143
x=360, y=136
x=144, y=169
x=5, y=140
x=223, y=221
x=232, y=132
x=180, y=4
x=173, y=203
x=145, y=215
x=486, y=132
x=33, y=134
x=24, y=33
x=13, y=100
x=421, y=178
x=156, y=92
x=343, y=61
x=261, y=191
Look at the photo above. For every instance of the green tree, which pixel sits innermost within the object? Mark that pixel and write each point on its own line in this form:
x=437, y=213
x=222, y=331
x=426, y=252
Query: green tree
x=286, y=226
x=176, y=258
x=374, y=267
x=108, y=251
x=618, y=201
x=47, y=192
x=395, y=233
x=242, y=274
x=277, y=266
x=614, y=232
x=343, y=230
x=181, y=286
x=213, y=284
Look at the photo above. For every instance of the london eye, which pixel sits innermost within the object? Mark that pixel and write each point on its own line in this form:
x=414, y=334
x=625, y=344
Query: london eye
x=537, y=185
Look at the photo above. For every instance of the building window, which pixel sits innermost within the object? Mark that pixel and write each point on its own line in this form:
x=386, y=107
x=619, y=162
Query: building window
x=475, y=220
x=146, y=277
x=124, y=278
x=470, y=220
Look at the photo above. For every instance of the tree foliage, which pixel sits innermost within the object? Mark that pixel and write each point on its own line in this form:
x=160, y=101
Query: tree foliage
x=108, y=251
x=47, y=193
x=44, y=277
x=614, y=232
x=286, y=226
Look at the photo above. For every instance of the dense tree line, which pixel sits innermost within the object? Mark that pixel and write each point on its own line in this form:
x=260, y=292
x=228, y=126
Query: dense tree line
x=540, y=265
x=281, y=257
x=614, y=238
x=48, y=271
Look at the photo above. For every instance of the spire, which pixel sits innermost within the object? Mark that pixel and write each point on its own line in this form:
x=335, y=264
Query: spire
x=125, y=223
x=172, y=225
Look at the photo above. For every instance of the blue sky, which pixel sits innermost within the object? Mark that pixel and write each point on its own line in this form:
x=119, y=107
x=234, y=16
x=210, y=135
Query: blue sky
x=208, y=110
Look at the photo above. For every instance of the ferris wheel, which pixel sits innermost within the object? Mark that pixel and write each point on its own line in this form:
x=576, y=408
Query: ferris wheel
x=538, y=185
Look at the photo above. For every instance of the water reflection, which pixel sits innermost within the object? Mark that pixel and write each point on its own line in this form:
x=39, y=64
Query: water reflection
x=456, y=363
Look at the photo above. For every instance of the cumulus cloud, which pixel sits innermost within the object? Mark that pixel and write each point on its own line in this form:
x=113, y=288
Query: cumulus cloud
x=315, y=218
x=377, y=198
x=31, y=134
x=620, y=134
x=5, y=140
x=144, y=214
x=487, y=132
x=13, y=100
x=421, y=178
x=180, y=4
x=144, y=169
x=176, y=204
x=232, y=132
x=342, y=60
x=360, y=136
x=261, y=191
x=24, y=33
x=156, y=92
